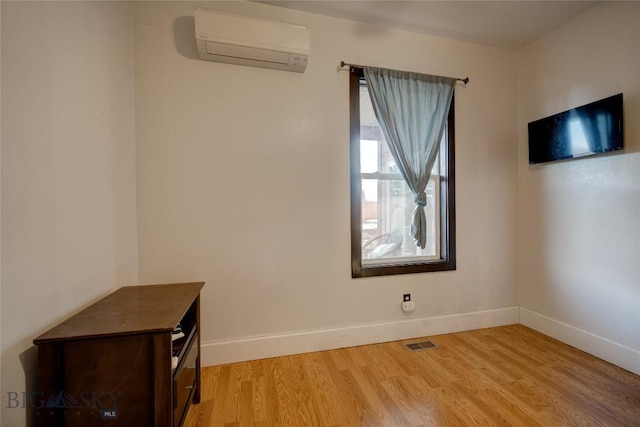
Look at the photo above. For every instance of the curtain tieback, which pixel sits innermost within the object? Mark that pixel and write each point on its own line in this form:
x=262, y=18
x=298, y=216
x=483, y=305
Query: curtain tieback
x=420, y=199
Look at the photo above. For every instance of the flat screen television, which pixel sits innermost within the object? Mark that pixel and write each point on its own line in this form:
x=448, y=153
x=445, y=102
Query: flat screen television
x=583, y=131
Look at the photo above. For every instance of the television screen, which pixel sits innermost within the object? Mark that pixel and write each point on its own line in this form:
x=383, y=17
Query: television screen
x=584, y=131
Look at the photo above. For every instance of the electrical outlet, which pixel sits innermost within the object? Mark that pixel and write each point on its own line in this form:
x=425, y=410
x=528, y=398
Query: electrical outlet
x=406, y=297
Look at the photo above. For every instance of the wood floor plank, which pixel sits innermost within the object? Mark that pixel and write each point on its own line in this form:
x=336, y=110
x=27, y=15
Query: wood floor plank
x=442, y=403
x=375, y=412
x=391, y=408
x=299, y=382
x=505, y=376
x=285, y=397
x=324, y=394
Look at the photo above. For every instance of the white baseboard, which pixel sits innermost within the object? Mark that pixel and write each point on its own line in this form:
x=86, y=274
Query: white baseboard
x=605, y=349
x=216, y=353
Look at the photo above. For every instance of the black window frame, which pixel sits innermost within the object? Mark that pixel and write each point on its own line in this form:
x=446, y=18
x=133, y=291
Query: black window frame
x=447, y=260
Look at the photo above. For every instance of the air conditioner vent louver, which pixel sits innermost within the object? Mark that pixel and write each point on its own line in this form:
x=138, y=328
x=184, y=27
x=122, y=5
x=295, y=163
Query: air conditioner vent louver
x=247, y=53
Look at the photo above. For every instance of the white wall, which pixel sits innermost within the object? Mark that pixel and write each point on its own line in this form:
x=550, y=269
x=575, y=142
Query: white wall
x=579, y=220
x=68, y=171
x=243, y=182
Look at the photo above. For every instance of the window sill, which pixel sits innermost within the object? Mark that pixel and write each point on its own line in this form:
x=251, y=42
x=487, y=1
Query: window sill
x=372, y=270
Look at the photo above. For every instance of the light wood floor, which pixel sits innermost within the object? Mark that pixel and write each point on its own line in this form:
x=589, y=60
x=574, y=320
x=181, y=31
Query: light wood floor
x=505, y=376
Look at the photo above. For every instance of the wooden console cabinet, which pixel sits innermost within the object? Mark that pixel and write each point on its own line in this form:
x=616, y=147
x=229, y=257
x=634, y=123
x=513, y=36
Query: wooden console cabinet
x=111, y=364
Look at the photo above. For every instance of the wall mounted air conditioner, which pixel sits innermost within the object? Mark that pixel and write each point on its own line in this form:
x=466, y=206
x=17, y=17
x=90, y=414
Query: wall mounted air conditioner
x=243, y=40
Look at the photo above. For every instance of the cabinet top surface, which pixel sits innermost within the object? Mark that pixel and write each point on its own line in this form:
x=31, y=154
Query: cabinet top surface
x=129, y=310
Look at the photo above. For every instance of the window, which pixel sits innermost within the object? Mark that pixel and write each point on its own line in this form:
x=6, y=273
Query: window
x=382, y=203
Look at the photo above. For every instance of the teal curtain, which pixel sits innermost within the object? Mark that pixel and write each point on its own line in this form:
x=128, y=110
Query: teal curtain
x=412, y=110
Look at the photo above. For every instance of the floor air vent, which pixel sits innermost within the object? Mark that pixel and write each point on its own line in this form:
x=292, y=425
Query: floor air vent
x=424, y=345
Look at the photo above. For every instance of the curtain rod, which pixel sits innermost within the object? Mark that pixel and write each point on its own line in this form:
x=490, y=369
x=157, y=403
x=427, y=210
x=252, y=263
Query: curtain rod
x=344, y=64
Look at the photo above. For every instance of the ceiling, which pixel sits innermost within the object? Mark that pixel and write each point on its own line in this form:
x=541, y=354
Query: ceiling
x=505, y=24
